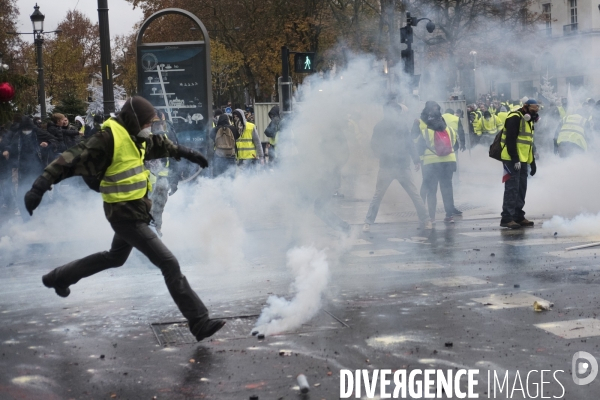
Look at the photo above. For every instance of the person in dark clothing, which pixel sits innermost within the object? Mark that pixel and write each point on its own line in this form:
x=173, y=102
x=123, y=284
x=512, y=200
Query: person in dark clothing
x=98, y=120
x=224, y=160
x=438, y=169
x=391, y=143
x=114, y=158
x=23, y=150
x=62, y=132
x=517, y=155
x=6, y=189
x=272, y=132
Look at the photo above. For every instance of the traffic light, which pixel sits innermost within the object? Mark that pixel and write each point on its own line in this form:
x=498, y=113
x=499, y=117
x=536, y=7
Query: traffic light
x=408, y=56
x=304, y=63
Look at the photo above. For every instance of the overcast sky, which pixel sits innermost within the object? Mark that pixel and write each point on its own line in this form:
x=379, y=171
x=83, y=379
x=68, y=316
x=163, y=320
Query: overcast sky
x=120, y=13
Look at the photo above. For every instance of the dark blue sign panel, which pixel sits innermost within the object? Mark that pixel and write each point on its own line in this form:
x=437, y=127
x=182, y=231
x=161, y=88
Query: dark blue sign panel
x=173, y=79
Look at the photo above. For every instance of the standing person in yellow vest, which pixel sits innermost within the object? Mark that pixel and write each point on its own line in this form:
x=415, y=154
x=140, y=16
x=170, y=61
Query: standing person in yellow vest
x=453, y=121
x=487, y=128
x=249, y=148
x=437, y=143
x=517, y=157
x=112, y=161
x=571, y=134
x=502, y=114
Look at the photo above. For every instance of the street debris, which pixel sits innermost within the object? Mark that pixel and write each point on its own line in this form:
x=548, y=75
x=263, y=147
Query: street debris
x=303, y=383
x=517, y=286
x=285, y=353
x=448, y=344
x=493, y=255
x=254, y=397
x=261, y=336
x=583, y=246
x=542, y=305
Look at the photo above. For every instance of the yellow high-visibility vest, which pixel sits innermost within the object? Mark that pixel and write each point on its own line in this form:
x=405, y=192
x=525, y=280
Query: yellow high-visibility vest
x=502, y=117
x=245, y=144
x=429, y=157
x=487, y=126
x=572, y=131
x=524, y=140
x=452, y=121
x=126, y=178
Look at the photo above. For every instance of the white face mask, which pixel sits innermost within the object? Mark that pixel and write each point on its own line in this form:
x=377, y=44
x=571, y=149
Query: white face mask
x=145, y=133
x=27, y=132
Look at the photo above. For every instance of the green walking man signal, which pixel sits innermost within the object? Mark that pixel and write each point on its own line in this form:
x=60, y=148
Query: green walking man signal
x=304, y=63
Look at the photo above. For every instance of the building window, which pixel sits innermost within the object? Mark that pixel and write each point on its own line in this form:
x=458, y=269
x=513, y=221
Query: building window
x=547, y=15
x=573, y=10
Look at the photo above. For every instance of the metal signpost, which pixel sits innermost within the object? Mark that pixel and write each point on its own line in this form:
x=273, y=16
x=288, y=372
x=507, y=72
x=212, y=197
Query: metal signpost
x=176, y=78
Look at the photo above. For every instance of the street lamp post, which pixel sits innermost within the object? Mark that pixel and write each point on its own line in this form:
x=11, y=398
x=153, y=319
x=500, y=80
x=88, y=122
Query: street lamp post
x=105, y=58
x=37, y=20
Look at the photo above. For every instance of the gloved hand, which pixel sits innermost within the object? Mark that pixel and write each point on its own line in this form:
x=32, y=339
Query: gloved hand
x=194, y=156
x=518, y=166
x=533, y=169
x=555, y=147
x=33, y=197
x=173, y=188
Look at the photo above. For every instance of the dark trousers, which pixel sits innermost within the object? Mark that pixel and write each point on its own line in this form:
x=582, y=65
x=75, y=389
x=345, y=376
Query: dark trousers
x=137, y=234
x=434, y=174
x=515, y=190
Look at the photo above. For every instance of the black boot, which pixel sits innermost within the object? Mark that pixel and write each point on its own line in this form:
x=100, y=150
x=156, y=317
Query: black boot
x=207, y=328
x=49, y=280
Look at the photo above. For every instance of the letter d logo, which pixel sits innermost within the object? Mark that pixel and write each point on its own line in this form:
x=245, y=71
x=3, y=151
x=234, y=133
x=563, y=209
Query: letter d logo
x=580, y=367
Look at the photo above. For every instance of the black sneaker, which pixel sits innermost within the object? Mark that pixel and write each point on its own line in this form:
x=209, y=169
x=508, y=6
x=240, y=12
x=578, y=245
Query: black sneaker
x=209, y=328
x=457, y=212
x=49, y=281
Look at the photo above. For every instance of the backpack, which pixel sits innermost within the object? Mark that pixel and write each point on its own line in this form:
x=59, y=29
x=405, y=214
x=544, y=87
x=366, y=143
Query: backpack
x=224, y=142
x=496, y=147
x=442, y=143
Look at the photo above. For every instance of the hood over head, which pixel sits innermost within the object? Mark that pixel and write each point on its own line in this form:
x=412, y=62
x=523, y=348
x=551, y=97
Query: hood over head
x=136, y=112
x=26, y=124
x=274, y=112
x=240, y=113
x=223, y=120
x=432, y=116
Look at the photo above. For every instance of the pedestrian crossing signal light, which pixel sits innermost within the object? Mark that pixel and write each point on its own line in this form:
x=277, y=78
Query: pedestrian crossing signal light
x=304, y=63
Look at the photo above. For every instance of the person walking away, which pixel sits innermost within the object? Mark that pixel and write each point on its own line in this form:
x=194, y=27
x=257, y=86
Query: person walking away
x=391, y=143
x=453, y=121
x=224, y=136
x=24, y=152
x=517, y=156
x=487, y=128
x=272, y=132
x=164, y=171
x=571, y=134
x=437, y=143
x=249, y=149
x=114, y=159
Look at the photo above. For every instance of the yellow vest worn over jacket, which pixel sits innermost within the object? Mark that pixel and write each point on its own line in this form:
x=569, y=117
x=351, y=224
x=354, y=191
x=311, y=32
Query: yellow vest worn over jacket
x=573, y=131
x=126, y=178
x=485, y=126
x=524, y=139
x=502, y=117
x=245, y=144
x=430, y=157
x=452, y=121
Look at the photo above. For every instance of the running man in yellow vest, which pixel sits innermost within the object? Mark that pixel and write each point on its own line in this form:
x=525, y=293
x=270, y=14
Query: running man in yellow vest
x=517, y=156
x=571, y=134
x=249, y=148
x=112, y=162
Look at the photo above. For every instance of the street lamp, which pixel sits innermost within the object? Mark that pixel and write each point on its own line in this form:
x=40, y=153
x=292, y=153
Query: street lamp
x=37, y=21
x=406, y=36
x=3, y=67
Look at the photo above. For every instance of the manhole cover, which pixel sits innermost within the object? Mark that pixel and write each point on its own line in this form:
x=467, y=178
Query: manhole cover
x=237, y=327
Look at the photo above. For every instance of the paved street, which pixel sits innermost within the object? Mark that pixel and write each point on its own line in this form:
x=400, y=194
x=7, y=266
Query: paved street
x=396, y=297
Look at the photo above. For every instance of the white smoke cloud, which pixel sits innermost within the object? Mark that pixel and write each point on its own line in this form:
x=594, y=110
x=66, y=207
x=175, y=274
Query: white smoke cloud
x=311, y=272
x=581, y=225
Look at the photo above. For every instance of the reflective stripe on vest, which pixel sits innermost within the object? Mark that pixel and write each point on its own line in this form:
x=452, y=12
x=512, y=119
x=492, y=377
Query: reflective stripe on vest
x=489, y=126
x=524, y=140
x=126, y=178
x=165, y=171
x=573, y=131
x=245, y=144
x=429, y=157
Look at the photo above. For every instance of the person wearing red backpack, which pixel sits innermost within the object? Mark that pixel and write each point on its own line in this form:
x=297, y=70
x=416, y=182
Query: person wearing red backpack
x=437, y=143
